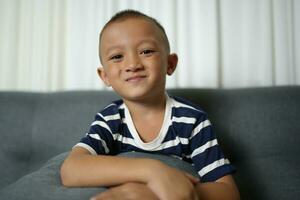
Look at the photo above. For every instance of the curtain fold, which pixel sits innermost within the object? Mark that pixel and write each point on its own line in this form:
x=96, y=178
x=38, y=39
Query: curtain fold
x=52, y=45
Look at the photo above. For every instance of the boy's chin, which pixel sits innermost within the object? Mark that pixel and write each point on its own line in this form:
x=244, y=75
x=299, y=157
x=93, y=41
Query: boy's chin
x=136, y=96
x=141, y=94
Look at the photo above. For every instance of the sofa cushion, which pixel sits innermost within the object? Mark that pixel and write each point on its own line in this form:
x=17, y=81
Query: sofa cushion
x=274, y=178
x=62, y=118
x=45, y=183
x=37, y=126
x=17, y=111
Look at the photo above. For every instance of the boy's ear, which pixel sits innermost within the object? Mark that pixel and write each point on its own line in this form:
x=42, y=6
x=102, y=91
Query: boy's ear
x=103, y=76
x=172, y=63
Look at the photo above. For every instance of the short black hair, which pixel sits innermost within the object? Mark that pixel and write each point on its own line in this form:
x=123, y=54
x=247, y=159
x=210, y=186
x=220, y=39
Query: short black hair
x=129, y=13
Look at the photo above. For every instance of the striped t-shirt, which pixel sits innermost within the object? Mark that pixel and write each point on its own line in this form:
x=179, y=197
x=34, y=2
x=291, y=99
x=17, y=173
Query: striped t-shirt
x=186, y=133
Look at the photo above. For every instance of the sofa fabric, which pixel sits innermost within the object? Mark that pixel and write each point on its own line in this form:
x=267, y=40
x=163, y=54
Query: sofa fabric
x=258, y=129
x=45, y=183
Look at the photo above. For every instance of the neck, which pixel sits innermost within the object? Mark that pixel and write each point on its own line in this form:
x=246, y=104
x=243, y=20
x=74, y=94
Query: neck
x=150, y=106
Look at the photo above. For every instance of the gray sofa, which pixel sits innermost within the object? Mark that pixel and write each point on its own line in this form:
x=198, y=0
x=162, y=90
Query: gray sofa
x=258, y=128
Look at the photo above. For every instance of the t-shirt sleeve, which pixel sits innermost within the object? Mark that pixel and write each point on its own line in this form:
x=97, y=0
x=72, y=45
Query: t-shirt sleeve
x=207, y=156
x=99, y=139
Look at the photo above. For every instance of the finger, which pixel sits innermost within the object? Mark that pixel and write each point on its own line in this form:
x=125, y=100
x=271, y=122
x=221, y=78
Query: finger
x=97, y=197
x=104, y=195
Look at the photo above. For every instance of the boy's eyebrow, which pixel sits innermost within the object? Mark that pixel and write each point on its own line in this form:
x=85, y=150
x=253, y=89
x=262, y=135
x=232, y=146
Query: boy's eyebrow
x=112, y=48
x=151, y=41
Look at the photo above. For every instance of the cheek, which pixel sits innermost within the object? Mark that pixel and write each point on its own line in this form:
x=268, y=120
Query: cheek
x=157, y=63
x=112, y=72
x=159, y=71
x=162, y=67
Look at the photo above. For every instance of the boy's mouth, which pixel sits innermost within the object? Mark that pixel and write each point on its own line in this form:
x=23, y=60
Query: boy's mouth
x=135, y=78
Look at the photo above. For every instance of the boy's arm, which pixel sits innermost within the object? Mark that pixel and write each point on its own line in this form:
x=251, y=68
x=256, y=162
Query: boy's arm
x=224, y=188
x=127, y=191
x=83, y=169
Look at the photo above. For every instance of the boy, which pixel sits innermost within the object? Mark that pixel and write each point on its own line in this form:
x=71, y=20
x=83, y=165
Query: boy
x=135, y=54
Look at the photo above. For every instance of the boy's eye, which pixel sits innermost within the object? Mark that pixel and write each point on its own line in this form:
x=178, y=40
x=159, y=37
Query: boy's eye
x=147, y=51
x=116, y=57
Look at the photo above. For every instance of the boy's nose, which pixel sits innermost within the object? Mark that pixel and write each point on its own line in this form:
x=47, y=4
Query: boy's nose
x=134, y=68
x=134, y=64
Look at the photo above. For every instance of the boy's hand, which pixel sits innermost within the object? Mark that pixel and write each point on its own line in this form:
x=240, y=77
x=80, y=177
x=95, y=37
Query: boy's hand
x=127, y=191
x=170, y=183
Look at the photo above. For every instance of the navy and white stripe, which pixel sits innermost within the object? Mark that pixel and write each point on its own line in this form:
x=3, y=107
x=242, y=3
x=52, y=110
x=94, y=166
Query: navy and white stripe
x=186, y=133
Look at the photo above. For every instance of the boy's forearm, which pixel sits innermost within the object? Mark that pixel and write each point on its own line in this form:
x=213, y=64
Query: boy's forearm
x=89, y=170
x=217, y=190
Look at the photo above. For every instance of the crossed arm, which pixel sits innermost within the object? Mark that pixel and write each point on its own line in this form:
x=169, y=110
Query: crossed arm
x=140, y=176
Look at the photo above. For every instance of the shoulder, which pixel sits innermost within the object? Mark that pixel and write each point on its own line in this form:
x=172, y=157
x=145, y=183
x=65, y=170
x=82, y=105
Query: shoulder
x=186, y=108
x=113, y=110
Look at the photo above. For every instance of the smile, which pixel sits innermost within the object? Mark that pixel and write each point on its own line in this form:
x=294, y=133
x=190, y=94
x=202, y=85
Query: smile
x=136, y=78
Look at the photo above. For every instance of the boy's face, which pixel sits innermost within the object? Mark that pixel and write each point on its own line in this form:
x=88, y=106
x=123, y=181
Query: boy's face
x=135, y=59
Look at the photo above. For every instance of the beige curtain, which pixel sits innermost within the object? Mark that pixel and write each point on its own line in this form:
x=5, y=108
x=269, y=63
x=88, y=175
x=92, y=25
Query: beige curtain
x=51, y=45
